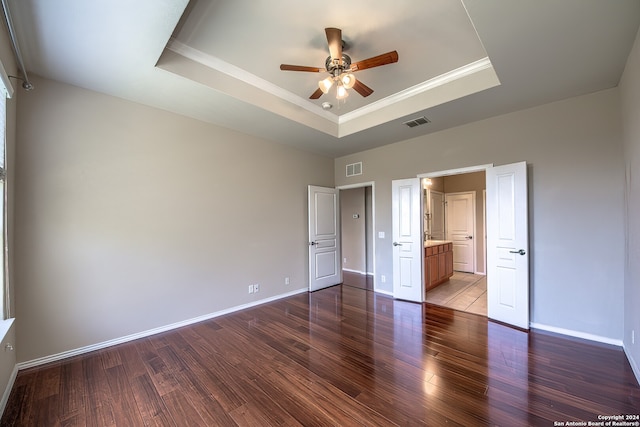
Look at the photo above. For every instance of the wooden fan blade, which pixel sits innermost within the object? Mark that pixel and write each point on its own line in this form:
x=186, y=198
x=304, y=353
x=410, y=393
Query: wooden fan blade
x=362, y=88
x=376, y=61
x=287, y=67
x=334, y=39
x=317, y=94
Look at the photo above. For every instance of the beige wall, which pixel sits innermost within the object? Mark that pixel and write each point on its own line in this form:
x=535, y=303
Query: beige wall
x=475, y=183
x=131, y=218
x=437, y=184
x=630, y=97
x=574, y=153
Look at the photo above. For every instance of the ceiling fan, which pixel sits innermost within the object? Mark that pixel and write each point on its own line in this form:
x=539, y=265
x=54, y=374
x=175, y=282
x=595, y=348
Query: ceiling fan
x=341, y=69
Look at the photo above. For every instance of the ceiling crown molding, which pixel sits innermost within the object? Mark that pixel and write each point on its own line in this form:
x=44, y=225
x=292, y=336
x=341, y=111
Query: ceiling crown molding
x=462, y=81
x=441, y=80
x=247, y=77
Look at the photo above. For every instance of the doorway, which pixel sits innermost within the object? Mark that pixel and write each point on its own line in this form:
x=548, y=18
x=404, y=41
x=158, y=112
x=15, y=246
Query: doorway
x=507, y=241
x=356, y=221
x=456, y=201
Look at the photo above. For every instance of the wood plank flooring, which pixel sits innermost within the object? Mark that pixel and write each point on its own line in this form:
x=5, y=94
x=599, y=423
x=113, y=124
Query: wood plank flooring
x=339, y=356
x=362, y=281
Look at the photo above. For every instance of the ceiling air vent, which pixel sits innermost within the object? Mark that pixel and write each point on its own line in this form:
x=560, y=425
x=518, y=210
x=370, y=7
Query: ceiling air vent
x=354, y=169
x=417, y=122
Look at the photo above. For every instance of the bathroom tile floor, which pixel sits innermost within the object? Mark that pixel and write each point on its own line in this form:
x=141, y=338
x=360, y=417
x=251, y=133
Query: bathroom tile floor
x=464, y=292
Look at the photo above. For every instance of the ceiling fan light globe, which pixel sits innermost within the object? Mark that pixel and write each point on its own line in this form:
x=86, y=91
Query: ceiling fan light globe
x=325, y=84
x=341, y=92
x=348, y=80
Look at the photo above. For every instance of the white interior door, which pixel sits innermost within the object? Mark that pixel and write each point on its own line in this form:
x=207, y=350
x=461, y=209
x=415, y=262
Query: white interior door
x=508, y=245
x=324, y=238
x=436, y=206
x=460, y=230
x=408, y=248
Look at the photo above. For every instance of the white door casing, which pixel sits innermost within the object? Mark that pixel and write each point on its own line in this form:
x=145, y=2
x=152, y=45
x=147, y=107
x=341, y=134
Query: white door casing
x=408, y=248
x=508, y=245
x=460, y=227
x=484, y=230
x=324, y=238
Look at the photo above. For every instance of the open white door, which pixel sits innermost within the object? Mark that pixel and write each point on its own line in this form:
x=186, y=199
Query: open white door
x=508, y=245
x=408, y=248
x=324, y=239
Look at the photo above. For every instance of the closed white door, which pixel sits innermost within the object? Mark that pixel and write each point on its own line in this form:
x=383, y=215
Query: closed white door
x=436, y=215
x=460, y=230
x=508, y=245
x=324, y=238
x=408, y=248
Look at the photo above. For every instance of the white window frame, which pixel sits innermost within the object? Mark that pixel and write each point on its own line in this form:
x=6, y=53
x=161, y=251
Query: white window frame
x=6, y=92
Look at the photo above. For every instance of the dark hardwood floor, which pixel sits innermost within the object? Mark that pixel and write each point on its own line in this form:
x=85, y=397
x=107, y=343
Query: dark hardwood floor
x=357, y=280
x=340, y=356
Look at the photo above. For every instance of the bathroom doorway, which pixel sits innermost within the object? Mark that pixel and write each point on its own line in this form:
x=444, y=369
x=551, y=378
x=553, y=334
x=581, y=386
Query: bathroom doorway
x=466, y=289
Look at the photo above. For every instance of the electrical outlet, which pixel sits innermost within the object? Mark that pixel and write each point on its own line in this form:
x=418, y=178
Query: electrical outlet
x=256, y=288
x=250, y=289
x=344, y=260
x=633, y=337
x=383, y=278
x=286, y=281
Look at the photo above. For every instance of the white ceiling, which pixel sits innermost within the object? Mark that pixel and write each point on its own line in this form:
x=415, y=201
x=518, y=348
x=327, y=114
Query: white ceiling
x=218, y=60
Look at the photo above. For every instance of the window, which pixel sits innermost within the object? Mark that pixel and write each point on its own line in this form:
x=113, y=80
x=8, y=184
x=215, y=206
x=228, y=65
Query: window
x=4, y=305
x=6, y=91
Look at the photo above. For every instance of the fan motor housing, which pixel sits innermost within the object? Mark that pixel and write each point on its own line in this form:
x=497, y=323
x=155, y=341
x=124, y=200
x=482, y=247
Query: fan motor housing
x=336, y=69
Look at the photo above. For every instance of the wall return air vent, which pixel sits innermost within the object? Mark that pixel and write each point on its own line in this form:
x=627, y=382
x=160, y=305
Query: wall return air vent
x=354, y=169
x=417, y=122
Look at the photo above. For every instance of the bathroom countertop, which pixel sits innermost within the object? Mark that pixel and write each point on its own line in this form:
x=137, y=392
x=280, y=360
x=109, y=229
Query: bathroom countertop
x=429, y=243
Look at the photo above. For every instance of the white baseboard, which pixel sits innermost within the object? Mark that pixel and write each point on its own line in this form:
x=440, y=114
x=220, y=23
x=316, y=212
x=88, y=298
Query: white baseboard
x=121, y=340
x=577, y=334
x=480, y=273
x=7, y=390
x=379, y=291
x=364, y=273
x=634, y=366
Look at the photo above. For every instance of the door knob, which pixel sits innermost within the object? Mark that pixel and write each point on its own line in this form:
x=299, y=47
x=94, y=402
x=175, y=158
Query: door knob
x=397, y=244
x=469, y=237
x=313, y=243
x=521, y=252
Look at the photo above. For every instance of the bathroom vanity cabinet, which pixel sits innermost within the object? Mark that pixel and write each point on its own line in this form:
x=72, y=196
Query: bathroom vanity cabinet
x=438, y=262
